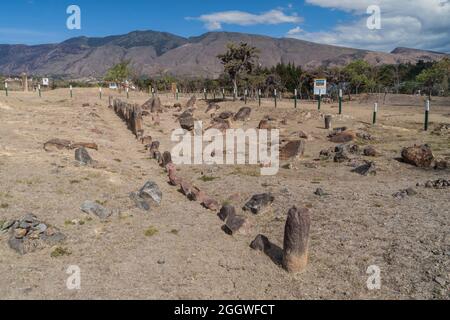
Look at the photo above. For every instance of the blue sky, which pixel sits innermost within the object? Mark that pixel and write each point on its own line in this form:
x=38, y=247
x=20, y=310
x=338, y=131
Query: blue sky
x=327, y=21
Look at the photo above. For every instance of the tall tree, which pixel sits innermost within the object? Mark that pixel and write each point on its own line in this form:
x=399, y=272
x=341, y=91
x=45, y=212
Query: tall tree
x=239, y=59
x=119, y=73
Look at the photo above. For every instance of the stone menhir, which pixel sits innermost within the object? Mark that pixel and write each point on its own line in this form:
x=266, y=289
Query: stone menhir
x=259, y=202
x=419, y=156
x=342, y=137
x=243, y=114
x=82, y=156
x=156, y=106
x=261, y=243
x=296, y=240
x=292, y=149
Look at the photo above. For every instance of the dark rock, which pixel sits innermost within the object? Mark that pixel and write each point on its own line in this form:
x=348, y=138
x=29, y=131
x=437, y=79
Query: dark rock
x=343, y=137
x=212, y=106
x=90, y=207
x=419, y=156
x=151, y=191
x=261, y=243
x=438, y=184
x=226, y=115
x=292, y=149
x=166, y=159
x=243, y=114
x=187, y=122
x=370, y=151
x=139, y=202
x=368, y=168
x=191, y=103
x=237, y=224
x=319, y=192
x=82, y=156
x=226, y=211
x=259, y=202
x=296, y=240
x=16, y=245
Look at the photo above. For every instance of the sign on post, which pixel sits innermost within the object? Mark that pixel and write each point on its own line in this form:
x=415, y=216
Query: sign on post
x=320, y=87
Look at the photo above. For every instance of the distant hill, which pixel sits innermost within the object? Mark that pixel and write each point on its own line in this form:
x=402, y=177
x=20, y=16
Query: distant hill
x=154, y=53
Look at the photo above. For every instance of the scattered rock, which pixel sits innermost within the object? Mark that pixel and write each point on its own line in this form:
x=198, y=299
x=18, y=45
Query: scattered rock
x=440, y=164
x=365, y=136
x=243, y=114
x=226, y=212
x=210, y=203
x=258, y=203
x=83, y=157
x=261, y=243
x=29, y=234
x=319, y=192
x=226, y=115
x=166, y=159
x=191, y=103
x=265, y=125
x=405, y=193
x=342, y=137
x=441, y=281
x=237, y=224
x=139, y=202
x=151, y=191
x=187, y=121
x=212, y=107
x=292, y=149
x=438, y=184
x=419, y=156
x=57, y=144
x=90, y=207
x=370, y=151
x=368, y=168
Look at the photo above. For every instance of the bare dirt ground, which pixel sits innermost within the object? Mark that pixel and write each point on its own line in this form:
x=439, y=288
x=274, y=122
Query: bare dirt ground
x=188, y=256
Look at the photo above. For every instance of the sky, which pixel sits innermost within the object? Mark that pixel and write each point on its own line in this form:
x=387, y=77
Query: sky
x=380, y=25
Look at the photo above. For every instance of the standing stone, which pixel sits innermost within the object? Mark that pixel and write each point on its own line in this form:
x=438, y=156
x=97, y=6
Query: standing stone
x=296, y=240
x=328, y=120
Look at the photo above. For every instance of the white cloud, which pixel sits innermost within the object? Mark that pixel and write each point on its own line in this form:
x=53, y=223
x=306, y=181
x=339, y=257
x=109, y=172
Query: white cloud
x=294, y=31
x=214, y=21
x=423, y=24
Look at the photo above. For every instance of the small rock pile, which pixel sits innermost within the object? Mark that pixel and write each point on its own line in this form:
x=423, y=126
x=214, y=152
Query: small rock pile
x=29, y=234
x=438, y=184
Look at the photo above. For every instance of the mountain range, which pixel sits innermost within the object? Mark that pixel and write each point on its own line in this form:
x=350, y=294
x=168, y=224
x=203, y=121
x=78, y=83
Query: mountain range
x=155, y=53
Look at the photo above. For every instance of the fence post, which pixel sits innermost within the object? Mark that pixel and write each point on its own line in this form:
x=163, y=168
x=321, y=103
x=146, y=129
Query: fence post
x=100, y=92
x=39, y=89
x=295, y=98
x=427, y=114
x=275, y=96
x=6, y=88
x=71, y=93
x=340, y=101
x=259, y=97
x=375, y=111
x=319, y=102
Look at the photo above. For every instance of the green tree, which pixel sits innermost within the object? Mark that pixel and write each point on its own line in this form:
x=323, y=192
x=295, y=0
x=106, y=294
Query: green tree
x=239, y=59
x=119, y=73
x=358, y=73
